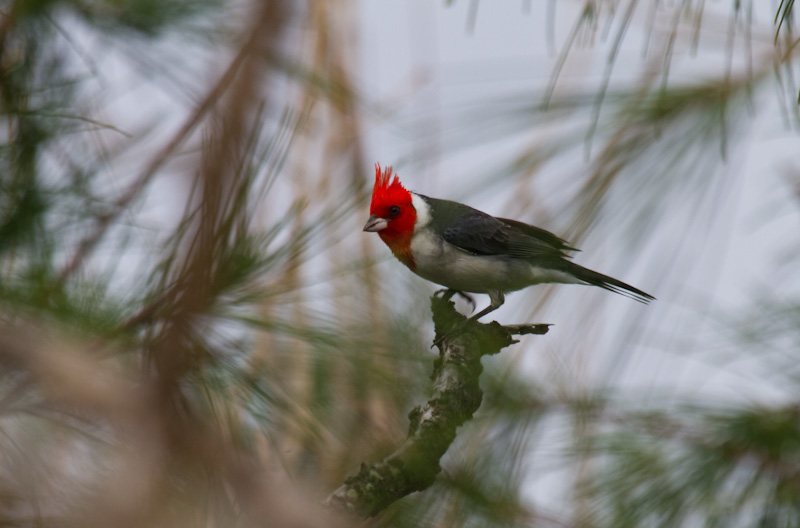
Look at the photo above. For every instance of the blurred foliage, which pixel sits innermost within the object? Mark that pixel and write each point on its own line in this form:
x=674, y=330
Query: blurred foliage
x=187, y=336
x=711, y=468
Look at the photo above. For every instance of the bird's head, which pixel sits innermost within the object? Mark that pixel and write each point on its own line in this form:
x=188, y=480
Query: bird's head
x=392, y=213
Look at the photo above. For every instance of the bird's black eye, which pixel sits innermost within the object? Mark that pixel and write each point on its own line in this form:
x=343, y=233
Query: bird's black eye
x=394, y=211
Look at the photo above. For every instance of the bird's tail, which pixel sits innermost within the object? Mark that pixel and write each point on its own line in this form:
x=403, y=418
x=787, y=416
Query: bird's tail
x=608, y=283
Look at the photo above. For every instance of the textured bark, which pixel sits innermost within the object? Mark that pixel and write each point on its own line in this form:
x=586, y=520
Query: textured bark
x=456, y=397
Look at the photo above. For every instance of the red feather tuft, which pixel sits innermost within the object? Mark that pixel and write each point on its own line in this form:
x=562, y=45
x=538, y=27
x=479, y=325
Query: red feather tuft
x=387, y=191
x=382, y=179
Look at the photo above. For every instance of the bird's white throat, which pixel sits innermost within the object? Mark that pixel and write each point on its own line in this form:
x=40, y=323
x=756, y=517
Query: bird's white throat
x=423, y=211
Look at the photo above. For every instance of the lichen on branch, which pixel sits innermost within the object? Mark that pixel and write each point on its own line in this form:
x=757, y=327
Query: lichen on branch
x=456, y=396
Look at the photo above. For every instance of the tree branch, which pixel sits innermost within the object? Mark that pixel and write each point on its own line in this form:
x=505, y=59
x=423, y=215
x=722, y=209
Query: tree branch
x=456, y=396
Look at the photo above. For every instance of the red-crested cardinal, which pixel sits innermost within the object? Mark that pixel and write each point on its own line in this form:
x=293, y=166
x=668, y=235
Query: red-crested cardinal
x=467, y=250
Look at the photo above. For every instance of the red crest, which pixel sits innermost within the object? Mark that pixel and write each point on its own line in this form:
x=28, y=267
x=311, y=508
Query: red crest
x=387, y=191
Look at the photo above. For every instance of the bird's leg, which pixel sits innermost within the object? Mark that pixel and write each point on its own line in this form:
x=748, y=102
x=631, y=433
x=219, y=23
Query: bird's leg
x=467, y=297
x=496, y=300
x=448, y=294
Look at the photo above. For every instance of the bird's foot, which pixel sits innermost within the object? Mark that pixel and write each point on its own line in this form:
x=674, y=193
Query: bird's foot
x=448, y=293
x=445, y=293
x=467, y=297
x=449, y=323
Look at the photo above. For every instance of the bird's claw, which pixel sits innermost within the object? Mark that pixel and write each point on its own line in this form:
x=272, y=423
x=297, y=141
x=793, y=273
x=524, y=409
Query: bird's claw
x=445, y=293
x=467, y=297
x=448, y=293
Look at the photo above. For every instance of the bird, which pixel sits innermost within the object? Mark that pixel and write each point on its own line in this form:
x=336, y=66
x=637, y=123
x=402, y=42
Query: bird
x=469, y=251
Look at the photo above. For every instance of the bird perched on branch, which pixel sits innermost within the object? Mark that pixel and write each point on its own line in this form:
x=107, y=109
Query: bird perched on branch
x=469, y=251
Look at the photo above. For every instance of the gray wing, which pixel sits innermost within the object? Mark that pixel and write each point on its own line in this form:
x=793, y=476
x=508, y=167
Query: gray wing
x=481, y=234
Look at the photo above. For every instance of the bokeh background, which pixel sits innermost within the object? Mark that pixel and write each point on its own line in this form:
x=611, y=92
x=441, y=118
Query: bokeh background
x=194, y=330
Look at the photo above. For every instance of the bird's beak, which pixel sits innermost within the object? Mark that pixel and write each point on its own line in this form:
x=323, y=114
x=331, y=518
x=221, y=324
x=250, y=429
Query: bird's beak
x=376, y=223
